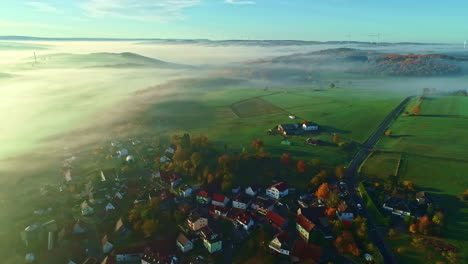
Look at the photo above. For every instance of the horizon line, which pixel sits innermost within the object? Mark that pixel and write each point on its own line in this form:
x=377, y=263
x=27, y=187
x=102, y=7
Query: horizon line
x=24, y=38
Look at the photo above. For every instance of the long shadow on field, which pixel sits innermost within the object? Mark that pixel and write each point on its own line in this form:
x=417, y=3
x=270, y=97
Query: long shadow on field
x=180, y=114
x=456, y=219
x=331, y=129
x=446, y=116
x=401, y=136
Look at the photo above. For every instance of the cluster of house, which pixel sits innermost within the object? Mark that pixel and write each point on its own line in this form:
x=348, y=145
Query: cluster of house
x=297, y=128
x=107, y=195
x=399, y=205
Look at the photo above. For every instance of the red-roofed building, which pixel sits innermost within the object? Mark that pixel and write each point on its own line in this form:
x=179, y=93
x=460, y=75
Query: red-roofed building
x=276, y=220
x=219, y=210
x=277, y=190
x=304, y=227
x=219, y=200
x=302, y=251
x=204, y=197
x=170, y=178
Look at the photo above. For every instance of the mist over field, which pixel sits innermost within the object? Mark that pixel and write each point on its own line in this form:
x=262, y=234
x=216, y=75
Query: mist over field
x=77, y=85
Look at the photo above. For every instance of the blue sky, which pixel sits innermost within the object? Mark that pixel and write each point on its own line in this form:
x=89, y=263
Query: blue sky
x=396, y=20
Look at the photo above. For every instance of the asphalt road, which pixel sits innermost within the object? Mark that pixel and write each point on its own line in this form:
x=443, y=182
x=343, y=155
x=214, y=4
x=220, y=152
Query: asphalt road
x=351, y=173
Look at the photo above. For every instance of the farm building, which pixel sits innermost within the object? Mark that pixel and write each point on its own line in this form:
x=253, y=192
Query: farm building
x=309, y=126
x=290, y=129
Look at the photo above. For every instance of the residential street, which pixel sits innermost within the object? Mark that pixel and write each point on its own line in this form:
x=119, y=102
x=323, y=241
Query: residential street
x=376, y=237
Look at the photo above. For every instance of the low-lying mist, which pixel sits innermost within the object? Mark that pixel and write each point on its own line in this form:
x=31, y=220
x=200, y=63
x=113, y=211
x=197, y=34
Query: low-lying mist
x=51, y=101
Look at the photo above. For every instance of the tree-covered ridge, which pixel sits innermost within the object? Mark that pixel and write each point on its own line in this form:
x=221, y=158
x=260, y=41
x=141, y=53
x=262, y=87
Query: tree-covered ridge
x=414, y=65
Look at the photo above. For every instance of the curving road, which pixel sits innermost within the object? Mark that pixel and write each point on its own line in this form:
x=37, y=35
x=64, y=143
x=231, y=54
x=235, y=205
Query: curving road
x=351, y=172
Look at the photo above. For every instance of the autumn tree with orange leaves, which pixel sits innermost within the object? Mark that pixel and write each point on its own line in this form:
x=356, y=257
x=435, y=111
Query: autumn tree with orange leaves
x=257, y=144
x=323, y=191
x=301, y=166
x=424, y=225
x=340, y=172
x=346, y=244
x=286, y=159
x=416, y=110
x=336, y=138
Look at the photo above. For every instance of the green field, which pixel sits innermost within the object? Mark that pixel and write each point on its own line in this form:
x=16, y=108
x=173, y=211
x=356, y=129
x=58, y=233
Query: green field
x=380, y=165
x=210, y=114
x=254, y=107
x=434, y=157
x=435, y=133
x=445, y=106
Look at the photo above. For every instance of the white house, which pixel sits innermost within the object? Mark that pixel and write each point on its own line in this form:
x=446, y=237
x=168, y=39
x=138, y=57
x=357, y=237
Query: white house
x=119, y=195
x=106, y=245
x=281, y=243
x=109, y=207
x=170, y=150
x=183, y=243
x=122, y=153
x=277, y=190
x=251, y=190
x=241, y=201
x=129, y=255
x=130, y=158
x=345, y=216
x=78, y=228
x=164, y=159
x=344, y=213
x=86, y=209
x=185, y=191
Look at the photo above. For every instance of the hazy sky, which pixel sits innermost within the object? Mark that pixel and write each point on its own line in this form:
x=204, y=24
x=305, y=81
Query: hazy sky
x=396, y=20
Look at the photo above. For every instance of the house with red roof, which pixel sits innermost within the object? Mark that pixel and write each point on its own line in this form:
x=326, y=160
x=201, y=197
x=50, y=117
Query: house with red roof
x=304, y=227
x=219, y=210
x=277, y=190
x=170, y=178
x=219, y=200
x=302, y=251
x=276, y=220
x=204, y=197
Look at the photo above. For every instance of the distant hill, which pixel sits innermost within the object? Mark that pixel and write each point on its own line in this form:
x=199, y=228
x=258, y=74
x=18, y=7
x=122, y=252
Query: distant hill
x=237, y=42
x=366, y=61
x=21, y=46
x=104, y=60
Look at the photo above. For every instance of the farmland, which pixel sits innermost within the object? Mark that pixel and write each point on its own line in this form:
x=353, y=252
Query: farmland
x=433, y=154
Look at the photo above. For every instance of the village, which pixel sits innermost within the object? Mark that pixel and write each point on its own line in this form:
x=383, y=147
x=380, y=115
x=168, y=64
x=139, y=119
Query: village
x=170, y=210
